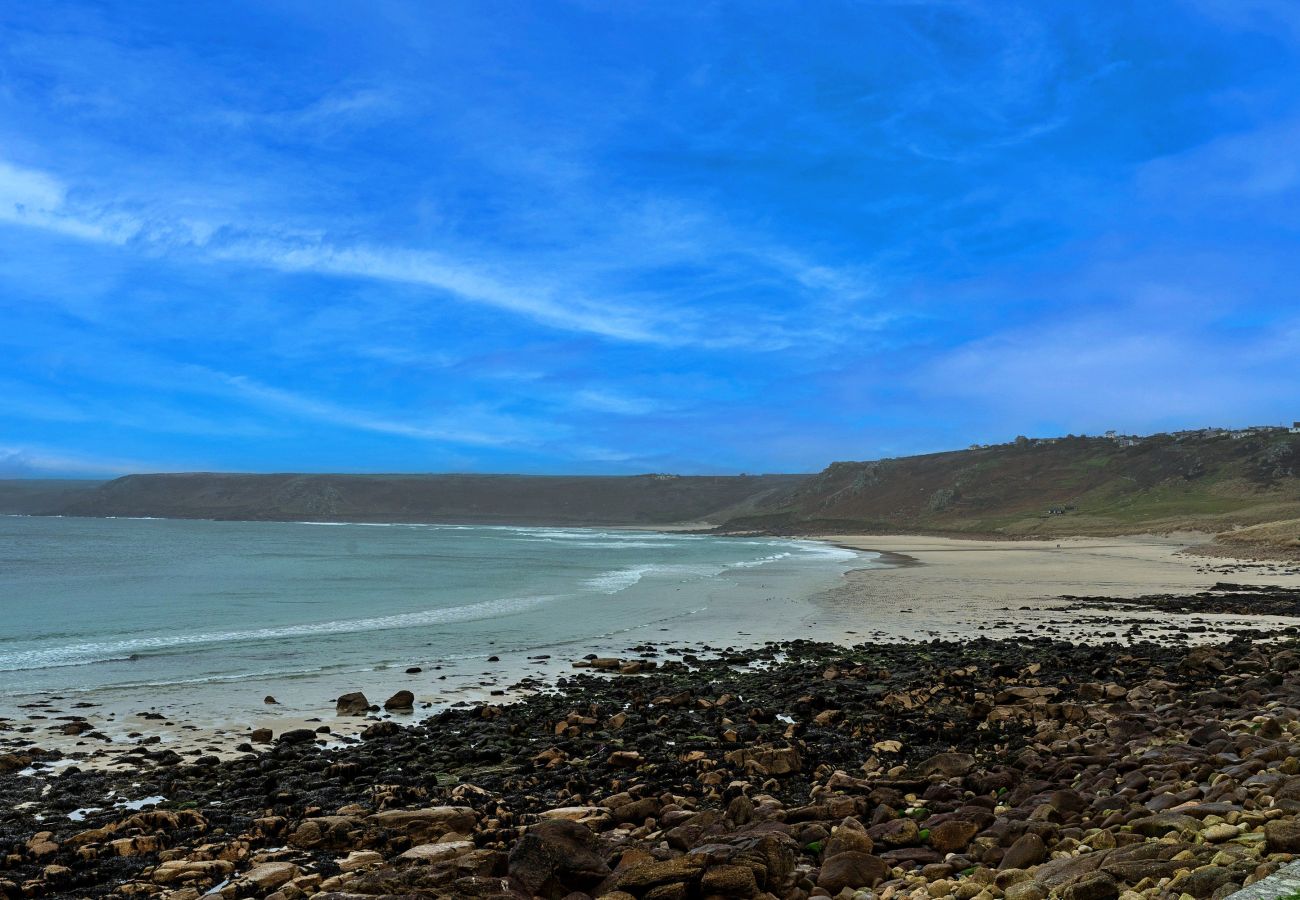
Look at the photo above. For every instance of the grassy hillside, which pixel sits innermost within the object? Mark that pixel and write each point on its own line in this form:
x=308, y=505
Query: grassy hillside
x=1072, y=485
x=39, y=496
x=515, y=499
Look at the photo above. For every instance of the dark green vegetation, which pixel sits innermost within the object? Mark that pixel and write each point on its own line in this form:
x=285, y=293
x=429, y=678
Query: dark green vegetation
x=1073, y=485
x=513, y=499
x=40, y=496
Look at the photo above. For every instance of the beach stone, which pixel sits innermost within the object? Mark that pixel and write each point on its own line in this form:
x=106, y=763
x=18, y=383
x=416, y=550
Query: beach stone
x=951, y=836
x=895, y=833
x=379, y=730
x=949, y=765
x=12, y=762
x=1282, y=836
x=400, y=700
x=851, y=869
x=298, y=736
x=428, y=854
x=1165, y=823
x=174, y=870
x=849, y=836
x=557, y=851
x=647, y=876
x=729, y=881
x=353, y=704
x=1097, y=886
x=1028, y=850
x=766, y=760
x=328, y=831
x=426, y=825
x=1025, y=890
x=1201, y=882
x=624, y=759
x=1216, y=834
x=267, y=877
x=358, y=860
x=261, y=736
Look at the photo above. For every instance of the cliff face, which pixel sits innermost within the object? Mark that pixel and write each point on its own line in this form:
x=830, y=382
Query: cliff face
x=514, y=499
x=1059, y=486
x=1200, y=481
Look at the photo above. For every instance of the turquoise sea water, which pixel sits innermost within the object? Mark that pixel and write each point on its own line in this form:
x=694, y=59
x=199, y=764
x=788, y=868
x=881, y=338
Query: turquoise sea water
x=165, y=608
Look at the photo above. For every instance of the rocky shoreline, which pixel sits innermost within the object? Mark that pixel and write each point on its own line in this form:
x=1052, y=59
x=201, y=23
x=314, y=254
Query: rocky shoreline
x=985, y=769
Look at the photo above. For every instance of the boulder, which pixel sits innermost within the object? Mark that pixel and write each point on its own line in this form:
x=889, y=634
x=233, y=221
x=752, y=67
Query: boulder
x=560, y=854
x=1028, y=850
x=267, y=877
x=432, y=854
x=848, y=836
x=729, y=881
x=766, y=761
x=1282, y=836
x=651, y=875
x=949, y=765
x=402, y=700
x=851, y=869
x=1097, y=886
x=1025, y=890
x=298, y=736
x=951, y=836
x=353, y=704
x=902, y=832
x=424, y=826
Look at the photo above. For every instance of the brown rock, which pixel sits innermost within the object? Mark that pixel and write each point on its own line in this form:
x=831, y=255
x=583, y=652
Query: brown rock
x=557, y=853
x=766, y=760
x=949, y=837
x=1025, y=890
x=680, y=869
x=402, y=700
x=1282, y=836
x=1028, y=850
x=433, y=854
x=1165, y=823
x=267, y=877
x=896, y=832
x=1097, y=886
x=353, y=704
x=424, y=826
x=949, y=765
x=730, y=881
x=851, y=869
x=177, y=870
x=850, y=836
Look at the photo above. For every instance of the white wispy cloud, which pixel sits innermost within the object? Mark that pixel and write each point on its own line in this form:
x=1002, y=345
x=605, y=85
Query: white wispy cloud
x=618, y=403
x=470, y=427
x=632, y=244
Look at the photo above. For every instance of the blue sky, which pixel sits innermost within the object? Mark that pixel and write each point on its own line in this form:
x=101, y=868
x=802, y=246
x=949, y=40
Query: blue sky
x=590, y=237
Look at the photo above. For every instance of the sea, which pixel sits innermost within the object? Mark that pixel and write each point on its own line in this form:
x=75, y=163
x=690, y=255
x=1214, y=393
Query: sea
x=207, y=619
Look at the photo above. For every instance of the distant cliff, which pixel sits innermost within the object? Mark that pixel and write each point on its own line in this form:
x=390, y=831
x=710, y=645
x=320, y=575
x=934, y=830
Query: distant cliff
x=40, y=496
x=515, y=499
x=1207, y=481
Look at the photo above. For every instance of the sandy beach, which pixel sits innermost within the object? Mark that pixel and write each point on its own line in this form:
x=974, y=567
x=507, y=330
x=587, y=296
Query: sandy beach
x=934, y=588
x=984, y=571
